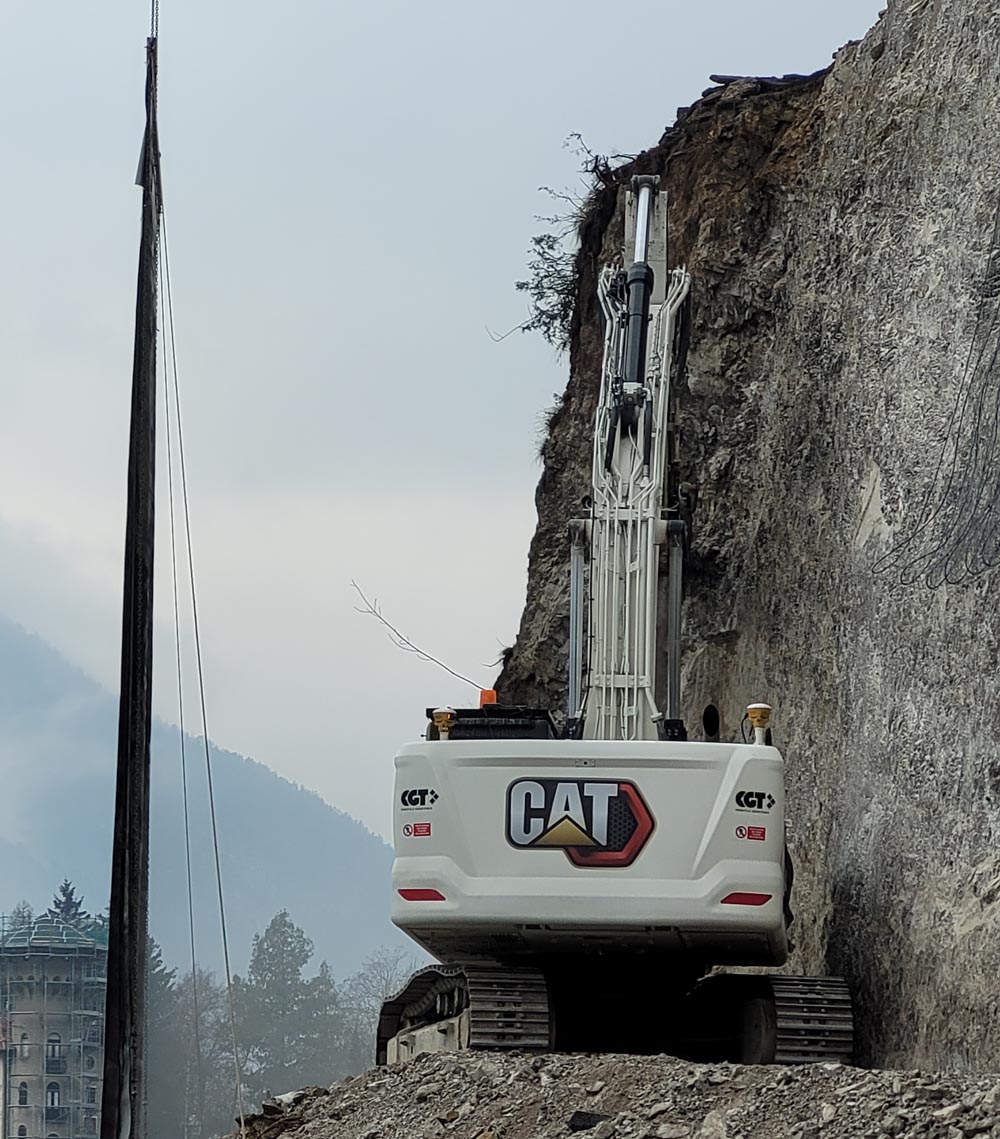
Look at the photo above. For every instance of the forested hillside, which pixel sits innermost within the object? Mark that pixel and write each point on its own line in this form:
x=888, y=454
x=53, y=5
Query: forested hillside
x=283, y=848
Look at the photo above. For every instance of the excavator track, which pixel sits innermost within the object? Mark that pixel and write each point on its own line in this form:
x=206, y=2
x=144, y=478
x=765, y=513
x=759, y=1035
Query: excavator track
x=757, y=1018
x=508, y=1008
x=499, y=1008
x=813, y=1020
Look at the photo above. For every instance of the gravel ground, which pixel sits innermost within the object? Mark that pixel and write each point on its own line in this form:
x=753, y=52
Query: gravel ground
x=494, y=1096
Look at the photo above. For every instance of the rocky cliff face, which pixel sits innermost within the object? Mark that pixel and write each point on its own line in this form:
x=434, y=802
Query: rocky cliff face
x=838, y=230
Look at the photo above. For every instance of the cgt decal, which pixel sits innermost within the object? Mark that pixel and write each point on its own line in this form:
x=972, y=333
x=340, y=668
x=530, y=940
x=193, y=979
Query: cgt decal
x=418, y=798
x=760, y=802
x=597, y=822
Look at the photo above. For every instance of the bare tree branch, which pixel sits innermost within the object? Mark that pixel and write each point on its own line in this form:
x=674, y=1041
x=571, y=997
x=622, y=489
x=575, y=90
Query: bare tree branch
x=496, y=338
x=371, y=609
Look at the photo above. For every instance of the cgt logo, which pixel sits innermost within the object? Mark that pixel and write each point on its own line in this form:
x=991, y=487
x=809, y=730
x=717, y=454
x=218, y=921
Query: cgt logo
x=754, y=800
x=417, y=797
x=597, y=822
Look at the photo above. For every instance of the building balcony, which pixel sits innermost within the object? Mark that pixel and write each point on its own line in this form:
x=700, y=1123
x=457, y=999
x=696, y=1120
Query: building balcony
x=55, y=1065
x=56, y=1114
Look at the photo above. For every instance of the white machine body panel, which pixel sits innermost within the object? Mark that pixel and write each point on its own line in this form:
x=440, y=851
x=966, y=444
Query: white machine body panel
x=520, y=846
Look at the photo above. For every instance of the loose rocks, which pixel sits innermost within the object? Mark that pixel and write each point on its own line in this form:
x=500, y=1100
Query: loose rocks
x=475, y=1095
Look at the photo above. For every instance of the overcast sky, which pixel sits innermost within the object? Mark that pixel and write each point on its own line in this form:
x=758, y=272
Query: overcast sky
x=351, y=190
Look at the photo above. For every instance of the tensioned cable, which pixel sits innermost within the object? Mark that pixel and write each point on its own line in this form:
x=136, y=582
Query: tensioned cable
x=201, y=681
x=163, y=267
x=169, y=362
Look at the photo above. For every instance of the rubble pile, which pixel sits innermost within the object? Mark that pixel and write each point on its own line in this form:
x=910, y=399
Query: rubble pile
x=472, y=1095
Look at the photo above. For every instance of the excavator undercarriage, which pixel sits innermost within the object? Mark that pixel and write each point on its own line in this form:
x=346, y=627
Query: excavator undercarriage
x=559, y=1006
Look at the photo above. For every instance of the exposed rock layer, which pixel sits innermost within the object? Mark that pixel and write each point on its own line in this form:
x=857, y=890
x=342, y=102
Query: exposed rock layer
x=837, y=230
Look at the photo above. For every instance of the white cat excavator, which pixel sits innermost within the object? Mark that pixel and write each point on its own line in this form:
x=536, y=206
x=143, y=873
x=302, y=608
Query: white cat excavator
x=580, y=889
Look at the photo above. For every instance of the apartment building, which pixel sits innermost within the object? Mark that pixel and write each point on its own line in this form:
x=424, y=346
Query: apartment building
x=52, y=983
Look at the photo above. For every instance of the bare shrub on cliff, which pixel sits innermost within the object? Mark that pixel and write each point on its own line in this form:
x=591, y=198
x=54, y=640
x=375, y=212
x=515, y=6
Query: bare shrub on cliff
x=553, y=280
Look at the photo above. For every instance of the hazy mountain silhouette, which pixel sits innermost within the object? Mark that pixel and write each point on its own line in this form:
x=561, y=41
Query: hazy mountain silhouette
x=282, y=846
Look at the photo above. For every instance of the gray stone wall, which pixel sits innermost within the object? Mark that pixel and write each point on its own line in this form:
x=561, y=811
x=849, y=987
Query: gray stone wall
x=838, y=232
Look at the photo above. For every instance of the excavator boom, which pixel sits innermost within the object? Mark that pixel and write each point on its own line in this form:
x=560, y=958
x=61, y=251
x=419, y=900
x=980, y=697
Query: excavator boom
x=635, y=508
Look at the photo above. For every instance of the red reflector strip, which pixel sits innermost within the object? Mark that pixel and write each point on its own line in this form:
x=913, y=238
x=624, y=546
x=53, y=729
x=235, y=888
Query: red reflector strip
x=421, y=896
x=745, y=899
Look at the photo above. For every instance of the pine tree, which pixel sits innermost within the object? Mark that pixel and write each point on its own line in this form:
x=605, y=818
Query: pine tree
x=165, y=1050
x=68, y=906
x=21, y=915
x=320, y=1048
x=159, y=979
x=100, y=924
x=291, y=1026
x=292, y=1031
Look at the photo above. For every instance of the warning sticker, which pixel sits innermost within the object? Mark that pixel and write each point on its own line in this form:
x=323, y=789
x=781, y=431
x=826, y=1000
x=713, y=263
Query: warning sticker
x=756, y=834
x=416, y=830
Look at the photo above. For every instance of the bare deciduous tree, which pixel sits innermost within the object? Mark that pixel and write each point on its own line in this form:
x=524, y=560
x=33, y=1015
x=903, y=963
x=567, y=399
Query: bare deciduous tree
x=382, y=973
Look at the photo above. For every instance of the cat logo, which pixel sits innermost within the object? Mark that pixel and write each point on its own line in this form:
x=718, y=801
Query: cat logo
x=597, y=822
